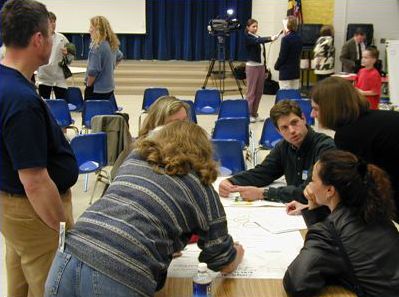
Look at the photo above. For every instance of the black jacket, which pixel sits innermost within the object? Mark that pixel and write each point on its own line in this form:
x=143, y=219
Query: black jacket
x=375, y=138
x=372, y=249
x=289, y=58
x=253, y=46
x=295, y=164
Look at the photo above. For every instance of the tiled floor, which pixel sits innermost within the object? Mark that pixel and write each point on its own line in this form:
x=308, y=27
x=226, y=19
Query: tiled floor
x=132, y=105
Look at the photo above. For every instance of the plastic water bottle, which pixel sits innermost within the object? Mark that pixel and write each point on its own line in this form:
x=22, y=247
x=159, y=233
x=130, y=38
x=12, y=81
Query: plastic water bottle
x=202, y=282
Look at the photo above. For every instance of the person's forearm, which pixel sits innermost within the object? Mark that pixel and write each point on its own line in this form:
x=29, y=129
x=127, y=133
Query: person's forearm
x=90, y=80
x=368, y=93
x=43, y=196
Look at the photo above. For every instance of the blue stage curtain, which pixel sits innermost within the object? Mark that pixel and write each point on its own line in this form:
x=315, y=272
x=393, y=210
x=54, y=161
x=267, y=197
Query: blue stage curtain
x=177, y=30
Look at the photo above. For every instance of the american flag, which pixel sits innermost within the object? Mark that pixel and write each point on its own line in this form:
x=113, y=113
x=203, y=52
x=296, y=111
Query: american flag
x=295, y=9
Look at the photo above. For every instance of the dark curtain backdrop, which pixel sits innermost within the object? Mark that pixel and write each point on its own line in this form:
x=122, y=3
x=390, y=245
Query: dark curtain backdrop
x=177, y=30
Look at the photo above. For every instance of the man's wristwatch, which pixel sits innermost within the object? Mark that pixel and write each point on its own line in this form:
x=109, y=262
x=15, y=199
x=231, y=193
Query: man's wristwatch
x=265, y=192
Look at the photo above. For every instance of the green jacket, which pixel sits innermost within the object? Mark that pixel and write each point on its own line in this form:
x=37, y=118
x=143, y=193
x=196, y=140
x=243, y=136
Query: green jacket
x=295, y=164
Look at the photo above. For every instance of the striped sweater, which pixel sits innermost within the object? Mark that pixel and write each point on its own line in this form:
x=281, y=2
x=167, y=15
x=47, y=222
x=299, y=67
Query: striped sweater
x=131, y=233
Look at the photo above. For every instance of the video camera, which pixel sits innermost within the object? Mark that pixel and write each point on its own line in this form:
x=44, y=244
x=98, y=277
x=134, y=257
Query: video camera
x=223, y=26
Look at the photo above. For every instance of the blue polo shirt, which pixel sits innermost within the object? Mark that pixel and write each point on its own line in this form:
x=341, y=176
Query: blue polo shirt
x=30, y=136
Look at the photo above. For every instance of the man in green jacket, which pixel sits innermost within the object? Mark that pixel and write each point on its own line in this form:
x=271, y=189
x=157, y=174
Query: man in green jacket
x=292, y=157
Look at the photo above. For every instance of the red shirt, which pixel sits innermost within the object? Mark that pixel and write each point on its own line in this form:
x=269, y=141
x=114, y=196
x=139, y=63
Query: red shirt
x=370, y=80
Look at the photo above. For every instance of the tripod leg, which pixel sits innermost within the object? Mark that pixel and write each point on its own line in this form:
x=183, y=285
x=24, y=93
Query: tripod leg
x=237, y=82
x=210, y=69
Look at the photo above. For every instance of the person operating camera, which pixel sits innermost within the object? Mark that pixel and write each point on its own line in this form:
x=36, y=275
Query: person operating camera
x=255, y=66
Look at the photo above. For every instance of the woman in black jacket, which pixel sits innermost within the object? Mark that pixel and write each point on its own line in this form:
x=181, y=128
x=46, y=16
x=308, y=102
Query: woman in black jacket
x=355, y=246
x=290, y=55
x=255, y=66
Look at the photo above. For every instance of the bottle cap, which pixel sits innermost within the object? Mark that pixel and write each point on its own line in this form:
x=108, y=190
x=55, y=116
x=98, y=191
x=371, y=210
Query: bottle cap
x=202, y=267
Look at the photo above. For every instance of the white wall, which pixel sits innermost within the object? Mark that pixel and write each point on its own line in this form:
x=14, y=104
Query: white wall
x=384, y=14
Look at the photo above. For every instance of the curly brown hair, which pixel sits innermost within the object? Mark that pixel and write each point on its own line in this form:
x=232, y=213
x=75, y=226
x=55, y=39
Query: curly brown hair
x=104, y=32
x=365, y=188
x=179, y=148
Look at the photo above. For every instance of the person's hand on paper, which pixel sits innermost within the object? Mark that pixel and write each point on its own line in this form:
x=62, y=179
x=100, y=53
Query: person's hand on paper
x=225, y=188
x=177, y=255
x=312, y=204
x=294, y=208
x=237, y=260
x=249, y=193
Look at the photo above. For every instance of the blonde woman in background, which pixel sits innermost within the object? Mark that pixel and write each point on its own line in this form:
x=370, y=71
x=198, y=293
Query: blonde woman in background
x=324, y=53
x=103, y=57
x=164, y=110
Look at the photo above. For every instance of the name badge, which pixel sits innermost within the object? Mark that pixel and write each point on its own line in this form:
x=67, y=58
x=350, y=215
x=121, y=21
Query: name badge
x=304, y=175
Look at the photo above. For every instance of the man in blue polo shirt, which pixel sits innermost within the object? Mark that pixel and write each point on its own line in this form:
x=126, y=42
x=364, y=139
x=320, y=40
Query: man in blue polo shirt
x=37, y=164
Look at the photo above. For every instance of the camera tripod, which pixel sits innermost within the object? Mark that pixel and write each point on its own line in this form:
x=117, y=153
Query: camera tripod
x=221, y=69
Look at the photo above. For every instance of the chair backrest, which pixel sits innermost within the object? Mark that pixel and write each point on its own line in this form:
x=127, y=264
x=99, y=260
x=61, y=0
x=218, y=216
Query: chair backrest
x=270, y=136
x=232, y=128
x=207, y=101
x=92, y=108
x=151, y=95
x=234, y=109
x=306, y=107
x=73, y=95
x=284, y=94
x=112, y=99
x=90, y=147
x=192, y=115
x=229, y=153
x=59, y=109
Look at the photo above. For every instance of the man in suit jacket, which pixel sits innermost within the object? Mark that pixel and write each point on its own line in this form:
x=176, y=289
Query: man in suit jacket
x=351, y=53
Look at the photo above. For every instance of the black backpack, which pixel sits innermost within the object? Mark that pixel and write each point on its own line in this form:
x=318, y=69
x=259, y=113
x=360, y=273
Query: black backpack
x=271, y=86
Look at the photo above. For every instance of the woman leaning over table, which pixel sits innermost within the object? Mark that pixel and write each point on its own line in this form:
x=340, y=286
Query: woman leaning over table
x=356, y=245
x=123, y=244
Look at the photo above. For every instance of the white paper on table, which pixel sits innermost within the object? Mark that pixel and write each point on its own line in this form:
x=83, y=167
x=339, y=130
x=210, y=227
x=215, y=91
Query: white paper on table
x=266, y=255
x=278, y=221
x=231, y=202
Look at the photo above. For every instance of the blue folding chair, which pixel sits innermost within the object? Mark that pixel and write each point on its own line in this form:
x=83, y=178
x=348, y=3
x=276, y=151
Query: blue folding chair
x=60, y=111
x=74, y=98
x=114, y=104
x=92, y=108
x=269, y=138
x=207, y=101
x=229, y=153
x=306, y=107
x=287, y=94
x=150, y=96
x=91, y=154
x=234, y=109
x=232, y=128
x=192, y=115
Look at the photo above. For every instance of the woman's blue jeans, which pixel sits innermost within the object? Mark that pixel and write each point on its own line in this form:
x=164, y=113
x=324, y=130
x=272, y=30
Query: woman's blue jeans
x=69, y=277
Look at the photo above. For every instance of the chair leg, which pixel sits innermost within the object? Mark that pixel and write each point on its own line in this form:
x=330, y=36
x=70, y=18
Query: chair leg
x=86, y=182
x=101, y=174
x=94, y=189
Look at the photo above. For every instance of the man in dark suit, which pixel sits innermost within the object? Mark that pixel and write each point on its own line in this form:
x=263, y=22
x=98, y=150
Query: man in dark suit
x=351, y=53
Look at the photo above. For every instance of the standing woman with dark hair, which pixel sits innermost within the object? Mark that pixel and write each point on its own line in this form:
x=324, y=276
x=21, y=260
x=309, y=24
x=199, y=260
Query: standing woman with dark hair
x=290, y=54
x=104, y=55
x=370, y=134
x=324, y=53
x=255, y=66
x=357, y=244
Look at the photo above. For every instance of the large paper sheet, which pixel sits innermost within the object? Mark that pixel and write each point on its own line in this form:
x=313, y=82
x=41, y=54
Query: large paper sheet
x=267, y=255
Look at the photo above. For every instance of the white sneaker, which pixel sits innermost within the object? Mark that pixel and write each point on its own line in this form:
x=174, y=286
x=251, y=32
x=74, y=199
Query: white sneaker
x=252, y=119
